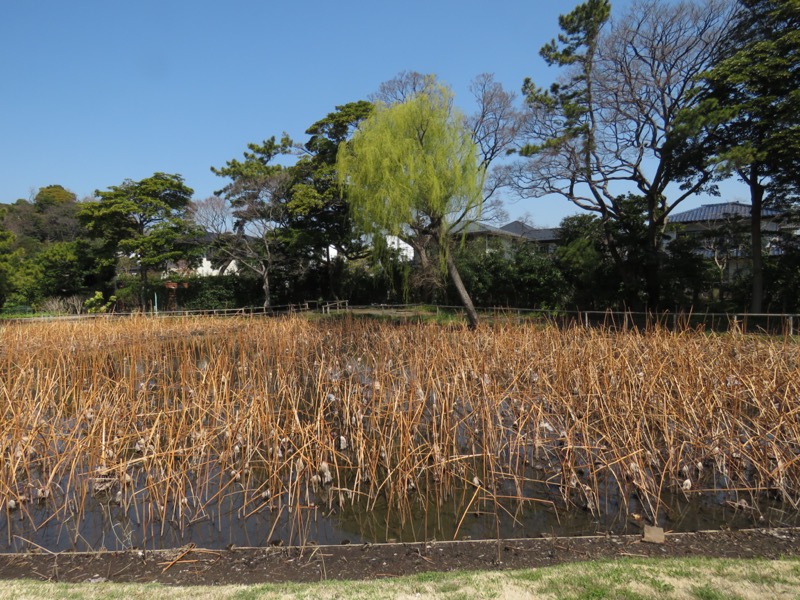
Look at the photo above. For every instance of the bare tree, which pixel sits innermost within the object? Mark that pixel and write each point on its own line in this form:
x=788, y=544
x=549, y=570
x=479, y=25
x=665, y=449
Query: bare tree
x=496, y=123
x=605, y=129
x=404, y=86
x=495, y=128
x=213, y=214
x=248, y=230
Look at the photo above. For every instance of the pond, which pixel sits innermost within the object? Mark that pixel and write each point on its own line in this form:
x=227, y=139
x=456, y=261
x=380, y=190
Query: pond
x=158, y=434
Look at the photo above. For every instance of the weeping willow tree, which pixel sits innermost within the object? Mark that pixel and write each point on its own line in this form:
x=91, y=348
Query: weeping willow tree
x=412, y=171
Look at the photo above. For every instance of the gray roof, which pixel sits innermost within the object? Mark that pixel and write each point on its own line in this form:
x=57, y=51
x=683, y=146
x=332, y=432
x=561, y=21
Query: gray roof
x=475, y=228
x=535, y=234
x=719, y=212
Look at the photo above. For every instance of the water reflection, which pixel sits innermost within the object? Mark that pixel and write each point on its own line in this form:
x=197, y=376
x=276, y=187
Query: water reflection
x=102, y=523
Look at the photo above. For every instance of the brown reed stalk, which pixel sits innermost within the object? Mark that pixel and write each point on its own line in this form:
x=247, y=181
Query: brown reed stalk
x=422, y=411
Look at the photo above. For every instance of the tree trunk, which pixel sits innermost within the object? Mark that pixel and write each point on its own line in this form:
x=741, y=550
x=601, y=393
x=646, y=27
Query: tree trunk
x=652, y=272
x=265, y=287
x=428, y=276
x=626, y=274
x=757, y=200
x=466, y=301
x=143, y=291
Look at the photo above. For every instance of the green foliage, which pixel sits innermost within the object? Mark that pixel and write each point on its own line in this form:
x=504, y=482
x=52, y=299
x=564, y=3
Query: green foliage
x=745, y=119
x=43, y=247
x=782, y=276
x=52, y=195
x=259, y=163
x=209, y=295
x=597, y=281
x=365, y=281
x=328, y=133
x=586, y=265
x=570, y=102
x=412, y=171
x=24, y=278
x=6, y=243
x=412, y=165
x=219, y=292
x=25, y=223
x=748, y=105
x=130, y=293
x=510, y=273
x=689, y=276
x=62, y=271
x=146, y=219
x=97, y=304
x=580, y=30
x=258, y=194
x=51, y=217
x=287, y=218
x=318, y=205
x=605, y=126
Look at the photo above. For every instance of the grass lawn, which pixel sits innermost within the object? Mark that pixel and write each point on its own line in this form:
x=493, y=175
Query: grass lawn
x=693, y=578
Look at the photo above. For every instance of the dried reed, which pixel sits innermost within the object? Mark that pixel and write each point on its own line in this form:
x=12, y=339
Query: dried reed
x=173, y=420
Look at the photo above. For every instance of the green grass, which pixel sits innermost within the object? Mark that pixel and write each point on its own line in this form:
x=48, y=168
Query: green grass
x=708, y=592
x=445, y=316
x=630, y=579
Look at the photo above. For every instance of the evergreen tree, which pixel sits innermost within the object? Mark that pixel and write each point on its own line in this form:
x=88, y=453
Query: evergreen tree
x=144, y=219
x=747, y=119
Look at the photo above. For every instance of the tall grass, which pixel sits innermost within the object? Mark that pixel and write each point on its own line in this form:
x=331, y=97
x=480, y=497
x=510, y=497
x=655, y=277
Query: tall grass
x=171, y=418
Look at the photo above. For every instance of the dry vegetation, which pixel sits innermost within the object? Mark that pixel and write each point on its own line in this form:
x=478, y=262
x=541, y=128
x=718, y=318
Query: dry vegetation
x=167, y=418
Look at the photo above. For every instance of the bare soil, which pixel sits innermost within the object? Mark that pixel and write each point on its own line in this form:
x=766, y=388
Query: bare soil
x=190, y=565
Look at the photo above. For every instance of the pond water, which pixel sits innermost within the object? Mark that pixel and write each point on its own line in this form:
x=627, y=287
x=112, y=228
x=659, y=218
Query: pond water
x=105, y=522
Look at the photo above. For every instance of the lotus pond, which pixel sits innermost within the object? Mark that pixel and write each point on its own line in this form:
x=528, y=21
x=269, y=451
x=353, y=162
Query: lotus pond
x=152, y=433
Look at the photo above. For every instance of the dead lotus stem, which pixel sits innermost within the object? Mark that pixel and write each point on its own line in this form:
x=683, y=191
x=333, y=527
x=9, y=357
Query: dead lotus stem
x=413, y=407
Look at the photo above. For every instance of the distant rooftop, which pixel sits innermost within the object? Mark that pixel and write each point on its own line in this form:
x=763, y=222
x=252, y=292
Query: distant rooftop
x=719, y=212
x=476, y=228
x=535, y=234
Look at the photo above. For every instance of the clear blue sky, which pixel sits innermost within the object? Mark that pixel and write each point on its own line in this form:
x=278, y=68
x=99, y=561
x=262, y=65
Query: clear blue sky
x=95, y=92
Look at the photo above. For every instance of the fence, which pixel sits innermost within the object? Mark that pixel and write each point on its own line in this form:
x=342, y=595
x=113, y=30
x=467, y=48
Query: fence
x=742, y=323
x=719, y=322
x=770, y=323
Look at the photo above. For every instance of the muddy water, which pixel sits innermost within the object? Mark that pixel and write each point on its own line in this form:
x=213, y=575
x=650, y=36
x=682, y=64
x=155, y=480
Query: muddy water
x=104, y=523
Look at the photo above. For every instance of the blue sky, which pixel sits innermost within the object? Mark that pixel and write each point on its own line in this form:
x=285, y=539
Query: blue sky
x=96, y=92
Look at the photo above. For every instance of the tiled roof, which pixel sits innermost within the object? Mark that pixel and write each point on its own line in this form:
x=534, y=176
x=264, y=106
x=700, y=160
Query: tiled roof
x=532, y=233
x=719, y=212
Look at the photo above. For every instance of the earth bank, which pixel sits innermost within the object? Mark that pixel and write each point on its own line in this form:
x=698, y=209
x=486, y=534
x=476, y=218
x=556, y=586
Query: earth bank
x=195, y=566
